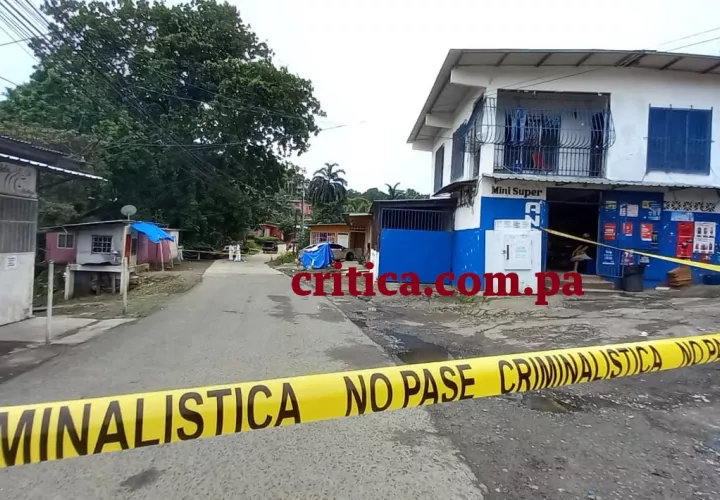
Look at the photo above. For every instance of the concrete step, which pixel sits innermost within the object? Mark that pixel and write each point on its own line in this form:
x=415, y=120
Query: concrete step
x=591, y=283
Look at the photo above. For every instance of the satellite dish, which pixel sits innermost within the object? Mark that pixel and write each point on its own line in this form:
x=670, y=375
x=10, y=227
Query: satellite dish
x=128, y=211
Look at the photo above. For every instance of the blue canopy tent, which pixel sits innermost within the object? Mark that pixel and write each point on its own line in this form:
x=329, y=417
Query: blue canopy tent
x=317, y=256
x=153, y=232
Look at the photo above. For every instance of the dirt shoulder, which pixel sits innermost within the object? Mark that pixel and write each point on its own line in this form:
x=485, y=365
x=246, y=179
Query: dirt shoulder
x=153, y=290
x=655, y=436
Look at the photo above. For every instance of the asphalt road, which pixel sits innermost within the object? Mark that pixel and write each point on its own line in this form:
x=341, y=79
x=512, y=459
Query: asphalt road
x=242, y=323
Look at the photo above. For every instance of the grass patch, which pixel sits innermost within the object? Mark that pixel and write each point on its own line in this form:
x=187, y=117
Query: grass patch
x=286, y=258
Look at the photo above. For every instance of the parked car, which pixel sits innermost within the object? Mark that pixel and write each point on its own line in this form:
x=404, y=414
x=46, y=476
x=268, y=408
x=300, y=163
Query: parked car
x=339, y=252
x=270, y=247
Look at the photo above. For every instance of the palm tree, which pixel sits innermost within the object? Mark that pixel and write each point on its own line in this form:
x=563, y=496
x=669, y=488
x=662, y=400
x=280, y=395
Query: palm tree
x=327, y=186
x=393, y=192
x=358, y=204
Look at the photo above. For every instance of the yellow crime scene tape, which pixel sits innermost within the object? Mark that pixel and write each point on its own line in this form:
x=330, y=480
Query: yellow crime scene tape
x=682, y=262
x=53, y=431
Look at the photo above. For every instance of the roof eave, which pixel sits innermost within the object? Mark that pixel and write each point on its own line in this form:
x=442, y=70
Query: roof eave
x=440, y=81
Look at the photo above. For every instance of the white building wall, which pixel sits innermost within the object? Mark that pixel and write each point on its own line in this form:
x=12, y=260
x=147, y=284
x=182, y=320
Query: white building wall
x=18, y=226
x=632, y=92
x=84, y=243
x=17, y=274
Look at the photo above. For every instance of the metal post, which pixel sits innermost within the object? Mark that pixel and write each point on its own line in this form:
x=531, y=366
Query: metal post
x=295, y=231
x=51, y=289
x=302, y=211
x=125, y=273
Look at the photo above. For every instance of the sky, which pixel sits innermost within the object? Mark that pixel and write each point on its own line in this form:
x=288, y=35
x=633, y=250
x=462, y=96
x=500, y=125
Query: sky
x=372, y=63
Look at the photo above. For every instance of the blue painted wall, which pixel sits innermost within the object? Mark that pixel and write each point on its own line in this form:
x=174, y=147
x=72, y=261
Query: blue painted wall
x=468, y=252
x=668, y=246
x=426, y=253
x=469, y=244
x=614, y=210
x=649, y=212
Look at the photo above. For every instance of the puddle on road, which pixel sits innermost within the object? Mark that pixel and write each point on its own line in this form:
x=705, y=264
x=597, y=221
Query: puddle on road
x=411, y=350
x=545, y=404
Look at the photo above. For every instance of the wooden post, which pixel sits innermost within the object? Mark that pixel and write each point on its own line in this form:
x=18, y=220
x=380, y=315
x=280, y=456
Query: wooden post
x=162, y=258
x=125, y=282
x=51, y=289
x=69, y=282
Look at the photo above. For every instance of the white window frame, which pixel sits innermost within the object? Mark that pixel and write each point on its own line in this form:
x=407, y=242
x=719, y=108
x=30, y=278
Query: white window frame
x=317, y=237
x=65, y=245
x=103, y=241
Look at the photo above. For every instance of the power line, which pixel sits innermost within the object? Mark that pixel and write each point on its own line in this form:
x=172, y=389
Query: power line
x=13, y=41
x=597, y=68
x=260, y=110
x=690, y=36
x=10, y=82
x=136, y=107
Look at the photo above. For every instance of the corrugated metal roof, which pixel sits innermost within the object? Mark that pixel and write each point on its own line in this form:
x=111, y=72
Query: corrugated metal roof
x=83, y=224
x=50, y=167
x=583, y=59
x=594, y=180
x=30, y=144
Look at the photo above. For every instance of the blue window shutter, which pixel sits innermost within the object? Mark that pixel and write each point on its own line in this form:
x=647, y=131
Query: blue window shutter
x=679, y=140
x=676, y=148
x=699, y=141
x=657, y=133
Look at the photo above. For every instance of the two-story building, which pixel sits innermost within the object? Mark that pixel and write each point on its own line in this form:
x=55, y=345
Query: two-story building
x=618, y=145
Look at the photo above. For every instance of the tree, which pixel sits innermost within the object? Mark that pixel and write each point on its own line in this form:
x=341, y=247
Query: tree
x=393, y=192
x=373, y=194
x=327, y=186
x=358, y=204
x=195, y=122
x=411, y=194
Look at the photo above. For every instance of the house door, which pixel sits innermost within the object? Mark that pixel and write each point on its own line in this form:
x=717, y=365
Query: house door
x=343, y=239
x=514, y=251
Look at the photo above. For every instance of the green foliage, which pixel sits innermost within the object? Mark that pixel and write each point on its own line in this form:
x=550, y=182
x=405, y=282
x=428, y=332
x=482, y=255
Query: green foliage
x=358, y=204
x=181, y=107
x=373, y=194
x=286, y=258
x=393, y=192
x=328, y=187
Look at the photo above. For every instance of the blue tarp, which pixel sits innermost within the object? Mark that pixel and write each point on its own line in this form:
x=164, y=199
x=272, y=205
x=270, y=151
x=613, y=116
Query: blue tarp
x=316, y=256
x=154, y=233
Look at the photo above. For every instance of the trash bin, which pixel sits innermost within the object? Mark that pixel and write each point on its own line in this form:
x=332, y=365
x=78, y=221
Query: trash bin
x=633, y=278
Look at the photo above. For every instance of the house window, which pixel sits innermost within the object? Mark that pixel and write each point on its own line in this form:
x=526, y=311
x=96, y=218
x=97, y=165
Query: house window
x=66, y=240
x=322, y=238
x=679, y=140
x=439, y=165
x=101, y=244
x=457, y=164
x=17, y=224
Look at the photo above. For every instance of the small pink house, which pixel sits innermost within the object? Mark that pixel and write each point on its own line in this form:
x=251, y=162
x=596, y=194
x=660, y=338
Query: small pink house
x=94, y=251
x=105, y=242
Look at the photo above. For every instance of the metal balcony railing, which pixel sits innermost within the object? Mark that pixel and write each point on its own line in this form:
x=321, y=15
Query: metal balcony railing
x=560, y=138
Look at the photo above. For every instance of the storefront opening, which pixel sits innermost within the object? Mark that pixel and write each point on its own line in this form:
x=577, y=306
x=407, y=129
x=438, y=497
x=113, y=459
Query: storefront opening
x=575, y=212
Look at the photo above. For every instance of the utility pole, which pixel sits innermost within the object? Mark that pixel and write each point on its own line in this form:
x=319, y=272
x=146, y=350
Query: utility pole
x=302, y=209
x=295, y=231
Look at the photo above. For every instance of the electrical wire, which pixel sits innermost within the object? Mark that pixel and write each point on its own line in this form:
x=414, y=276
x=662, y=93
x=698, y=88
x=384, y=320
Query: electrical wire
x=142, y=111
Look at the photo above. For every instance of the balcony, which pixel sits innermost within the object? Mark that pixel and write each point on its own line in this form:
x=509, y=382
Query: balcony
x=545, y=133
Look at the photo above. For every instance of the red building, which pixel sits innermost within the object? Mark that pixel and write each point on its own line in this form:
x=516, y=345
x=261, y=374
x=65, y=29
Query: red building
x=271, y=230
x=305, y=208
